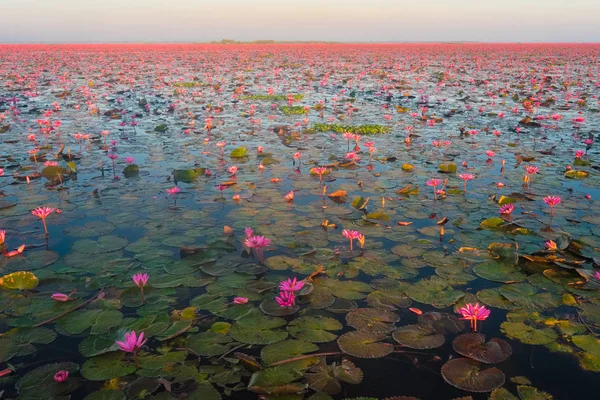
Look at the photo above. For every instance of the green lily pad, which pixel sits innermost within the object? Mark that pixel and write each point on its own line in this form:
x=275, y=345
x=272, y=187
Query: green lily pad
x=43, y=378
x=187, y=175
x=363, y=344
x=530, y=298
x=326, y=378
x=238, y=153
x=314, y=329
x=100, y=321
x=209, y=343
x=499, y=272
x=105, y=244
x=107, y=366
x=256, y=328
x=272, y=308
x=588, y=343
x=20, y=280
x=528, y=334
x=418, y=336
x=493, y=223
x=275, y=381
x=473, y=345
x=467, y=374
x=447, y=168
x=372, y=320
x=287, y=349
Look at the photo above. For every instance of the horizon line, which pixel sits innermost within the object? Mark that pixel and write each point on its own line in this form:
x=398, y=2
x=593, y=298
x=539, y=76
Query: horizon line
x=273, y=41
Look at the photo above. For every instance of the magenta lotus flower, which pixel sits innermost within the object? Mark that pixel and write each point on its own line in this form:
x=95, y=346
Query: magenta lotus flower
x=474, y=313
x=129, y=160
x=257, y=244
x=60, y=297
x=579, y=154
x=43, y=213
x=435, y=183
x=531, y=169
x=61, y=376
x=466, y=178
x=351, y=235
x=552, y=201
x=291, y=285
x=132, y=344
x=507, y=209
x=240, y=300
x=249, y=232
x=490, y=154
x=174, y=190
x=286, y=299
x=140, y=281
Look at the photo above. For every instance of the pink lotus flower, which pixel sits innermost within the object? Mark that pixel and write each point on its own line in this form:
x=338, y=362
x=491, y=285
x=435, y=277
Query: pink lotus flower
x=173, y=190
x=240, y=300
x=60, y=297
x=286, y=299
x=132, y=342
x=552, y=201
x=232, y=170
x=579, y=154
x=140, y=280
x=257, y=244
x=2, y=237
x=434, y=183
x=43, y=213
x=112, y=156
x=531, y=169
x=490, y=154
x=351, y=235
x=297, y=155
x=474, y=313
x=51, y=164
x=291, y=285
x=466, y=178
x=507, y=209
x=249, y=232
x=551, y=245
x=61, y=376
x=129, y=160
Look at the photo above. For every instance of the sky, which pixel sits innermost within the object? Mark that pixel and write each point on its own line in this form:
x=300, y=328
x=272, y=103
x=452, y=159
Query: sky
x=116, y=21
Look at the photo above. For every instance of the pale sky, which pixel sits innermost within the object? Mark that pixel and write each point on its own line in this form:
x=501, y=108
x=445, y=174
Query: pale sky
x=112, y=21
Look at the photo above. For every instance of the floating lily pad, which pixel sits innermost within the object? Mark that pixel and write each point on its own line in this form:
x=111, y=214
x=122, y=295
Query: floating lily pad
x=467, y=374
x=372, y=320
x=528, y=334
x=107, y=366
x=473, y=345
x=258, y=329
x=21, y=280
x=286, y=349
x=314, y=329
x=499, y=272
x=364, y=344
x=43, y=378
x=105, y=244
x=272, y=308
x=418, y=336
x=209, y=343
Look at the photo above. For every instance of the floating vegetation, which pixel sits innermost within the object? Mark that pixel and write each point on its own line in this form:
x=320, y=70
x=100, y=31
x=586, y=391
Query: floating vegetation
x=280, y=226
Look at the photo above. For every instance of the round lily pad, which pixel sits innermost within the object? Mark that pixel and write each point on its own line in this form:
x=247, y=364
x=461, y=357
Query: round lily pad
x=467, y=374
x=473, y=345
x=364, y=344
x=286, y=349
x=418, y=337
x=314, y=329
x=499, y=272
x=208, y=343
x=372, y=320
x=258, y=329
x=272, y=308
x=105, y=244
